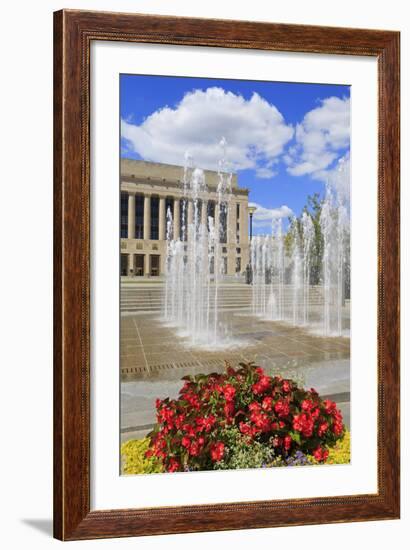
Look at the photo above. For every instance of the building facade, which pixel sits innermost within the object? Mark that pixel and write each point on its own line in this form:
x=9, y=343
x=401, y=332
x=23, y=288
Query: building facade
x=148, y=191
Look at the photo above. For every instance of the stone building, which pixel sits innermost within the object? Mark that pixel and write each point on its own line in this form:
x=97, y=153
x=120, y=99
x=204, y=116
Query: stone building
x=148, y=190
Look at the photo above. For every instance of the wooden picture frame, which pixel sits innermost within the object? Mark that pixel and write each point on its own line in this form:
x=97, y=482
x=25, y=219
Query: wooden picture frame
x=74, y=32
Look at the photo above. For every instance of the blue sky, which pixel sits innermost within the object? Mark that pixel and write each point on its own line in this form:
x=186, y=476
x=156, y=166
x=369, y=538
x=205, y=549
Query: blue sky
x=283, y=139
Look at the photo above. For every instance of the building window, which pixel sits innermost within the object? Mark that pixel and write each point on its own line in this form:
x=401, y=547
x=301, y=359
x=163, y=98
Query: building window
x=238, y=211
x=139, y=216
x=238, y=265
x=211, y=211
x=154, y=218
x=124, y=216
x=154, y=265
x=212, y=265
x=224, y=250
x=139, y=265
x=124, y=264
x=224, y=265
x=238, y=250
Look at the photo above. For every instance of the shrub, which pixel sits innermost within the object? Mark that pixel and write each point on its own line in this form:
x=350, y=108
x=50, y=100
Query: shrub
x=340, y=453
x=242, y=453
x=242, y=418
x=134, y=460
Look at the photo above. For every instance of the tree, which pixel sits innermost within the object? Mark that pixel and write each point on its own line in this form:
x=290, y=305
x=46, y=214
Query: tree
x=313, y=208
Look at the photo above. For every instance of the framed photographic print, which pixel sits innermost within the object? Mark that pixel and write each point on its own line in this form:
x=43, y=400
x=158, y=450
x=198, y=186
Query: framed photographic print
x=226, y=347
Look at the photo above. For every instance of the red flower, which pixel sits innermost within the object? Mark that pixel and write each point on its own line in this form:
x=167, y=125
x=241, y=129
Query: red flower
x=281, y=408
x=267, y=403
x=329, y=406
x=287, y=442
x=277, y=441
x=209, y=421
x=261, y=385
x=286, y=386
x=186, y=442
x=315, y=413
x=254, y=406
x=189, y=429
x=303, y=423
x=194, y=448
x=323, y=427
x=337, y=428
x=229, y=409
x=229, y=392
x=245, y=428
x=165, y=415
x=217, y=451
x=320, y=454
x=261, y=421
x=179, y=420
x=173, y=465
x=307, y=405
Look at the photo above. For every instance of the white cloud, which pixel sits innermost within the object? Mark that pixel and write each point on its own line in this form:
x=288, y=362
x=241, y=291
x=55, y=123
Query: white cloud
x=265, y=173
x=264, y=216
x=255, y=131
x=320, y=138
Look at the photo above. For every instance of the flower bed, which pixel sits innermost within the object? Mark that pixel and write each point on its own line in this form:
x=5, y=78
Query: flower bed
x=242, y=419
x=135, y=461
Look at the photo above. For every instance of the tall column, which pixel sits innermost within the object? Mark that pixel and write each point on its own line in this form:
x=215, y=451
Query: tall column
x=161, y=229
x=147, y=265
x=131, y=216
x=231, y=222
x=147, y=217
x=131, y=270
x=176, y=215
x=190, y=212
x=244, y=221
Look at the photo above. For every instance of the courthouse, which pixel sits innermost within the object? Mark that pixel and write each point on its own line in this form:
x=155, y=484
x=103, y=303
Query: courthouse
x=148, y=191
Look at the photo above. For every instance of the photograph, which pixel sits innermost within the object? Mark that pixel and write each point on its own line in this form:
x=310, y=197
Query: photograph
x=234, y=272
x=204, y=287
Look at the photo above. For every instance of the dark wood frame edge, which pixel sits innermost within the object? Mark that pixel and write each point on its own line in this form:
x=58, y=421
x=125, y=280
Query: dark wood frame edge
x=73, y=32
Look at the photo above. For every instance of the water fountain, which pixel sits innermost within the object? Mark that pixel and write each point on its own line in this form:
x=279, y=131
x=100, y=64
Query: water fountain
x=281, y=263
x=333, y=223
x=281, y=266
x=194, y=262
x=308, y=232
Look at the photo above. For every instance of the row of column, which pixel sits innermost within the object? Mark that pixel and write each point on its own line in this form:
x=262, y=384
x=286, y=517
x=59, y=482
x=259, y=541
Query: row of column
x=147, y=216
x=176, y=215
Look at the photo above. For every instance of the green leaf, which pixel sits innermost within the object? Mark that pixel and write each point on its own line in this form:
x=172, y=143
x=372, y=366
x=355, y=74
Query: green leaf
x=295, y=437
